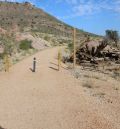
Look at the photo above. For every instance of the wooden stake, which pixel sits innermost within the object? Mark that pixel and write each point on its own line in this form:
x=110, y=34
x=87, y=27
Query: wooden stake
x=74, y=44
x=6, y=63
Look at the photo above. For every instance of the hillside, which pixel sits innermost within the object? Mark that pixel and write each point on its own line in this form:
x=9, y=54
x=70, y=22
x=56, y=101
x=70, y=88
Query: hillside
x=26, y=17
x=24, y=21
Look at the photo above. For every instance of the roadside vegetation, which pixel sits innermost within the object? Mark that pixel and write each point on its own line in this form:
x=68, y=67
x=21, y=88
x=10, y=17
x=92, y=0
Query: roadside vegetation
x=25, y=45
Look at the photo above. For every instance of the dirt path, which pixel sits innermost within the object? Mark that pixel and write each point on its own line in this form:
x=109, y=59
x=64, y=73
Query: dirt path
x=47, y=99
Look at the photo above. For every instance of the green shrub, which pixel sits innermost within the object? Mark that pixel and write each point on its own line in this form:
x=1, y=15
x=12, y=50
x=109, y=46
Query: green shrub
x=2, y=55
x=47, y=38
x=70, y=47
x=25, y=44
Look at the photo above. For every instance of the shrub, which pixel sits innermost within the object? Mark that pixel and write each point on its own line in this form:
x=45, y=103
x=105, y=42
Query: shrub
x=47, y=38
x=25, y=44
x=70, y=47
x=2, y=55
x=113, y=35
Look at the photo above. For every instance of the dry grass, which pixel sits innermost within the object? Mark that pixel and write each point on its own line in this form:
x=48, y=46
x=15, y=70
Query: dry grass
x=88, y=84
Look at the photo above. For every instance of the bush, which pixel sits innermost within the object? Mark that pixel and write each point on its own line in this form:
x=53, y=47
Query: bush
x=47, y=38
x=70, y=47
x=2, y=55
x=25, y=44
x=113, y=35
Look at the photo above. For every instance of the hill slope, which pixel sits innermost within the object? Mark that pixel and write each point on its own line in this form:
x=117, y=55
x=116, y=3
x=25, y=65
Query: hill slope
x=26, y=17
x=21, y=21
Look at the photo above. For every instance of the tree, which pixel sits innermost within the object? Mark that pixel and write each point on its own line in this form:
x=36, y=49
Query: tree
x=113, y=35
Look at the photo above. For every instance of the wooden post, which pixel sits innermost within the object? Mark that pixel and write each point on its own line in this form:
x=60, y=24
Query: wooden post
x=59, y=59
x=74, y=44
x=6, y=63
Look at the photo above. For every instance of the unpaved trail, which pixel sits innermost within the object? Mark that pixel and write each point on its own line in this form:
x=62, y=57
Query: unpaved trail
x=47, y=99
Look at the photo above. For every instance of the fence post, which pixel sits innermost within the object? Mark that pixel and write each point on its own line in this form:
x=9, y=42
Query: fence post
x=6, y=63
x=74, y=44
x=34, y=64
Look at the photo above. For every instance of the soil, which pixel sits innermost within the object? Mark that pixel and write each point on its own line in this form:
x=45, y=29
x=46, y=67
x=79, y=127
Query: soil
x=52, y=99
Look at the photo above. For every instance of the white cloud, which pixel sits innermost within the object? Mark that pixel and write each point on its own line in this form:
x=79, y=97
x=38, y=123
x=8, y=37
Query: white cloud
x=84, y=9
x=89, y=7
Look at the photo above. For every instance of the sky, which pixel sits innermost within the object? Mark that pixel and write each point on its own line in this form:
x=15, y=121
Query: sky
x=93, y=16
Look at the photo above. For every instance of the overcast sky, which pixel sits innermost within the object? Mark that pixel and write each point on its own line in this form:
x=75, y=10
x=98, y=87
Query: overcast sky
x=90, y=15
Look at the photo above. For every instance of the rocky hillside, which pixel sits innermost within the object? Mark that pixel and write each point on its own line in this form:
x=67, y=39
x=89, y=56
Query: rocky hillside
x=24, y=27
x=25, y=17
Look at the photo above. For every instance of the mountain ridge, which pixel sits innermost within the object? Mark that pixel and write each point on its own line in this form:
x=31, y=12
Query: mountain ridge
x=25, y=16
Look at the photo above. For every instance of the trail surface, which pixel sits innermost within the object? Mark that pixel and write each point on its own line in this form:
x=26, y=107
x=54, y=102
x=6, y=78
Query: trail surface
x=47, y=99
